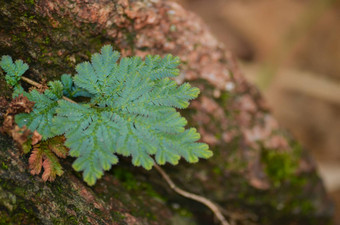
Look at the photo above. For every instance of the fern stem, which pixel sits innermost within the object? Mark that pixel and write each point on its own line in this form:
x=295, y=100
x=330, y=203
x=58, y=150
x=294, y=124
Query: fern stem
x=213, y=207
x=37, y=85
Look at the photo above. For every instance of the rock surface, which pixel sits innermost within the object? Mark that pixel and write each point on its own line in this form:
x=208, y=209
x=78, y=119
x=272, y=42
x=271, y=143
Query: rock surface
x=258, y=174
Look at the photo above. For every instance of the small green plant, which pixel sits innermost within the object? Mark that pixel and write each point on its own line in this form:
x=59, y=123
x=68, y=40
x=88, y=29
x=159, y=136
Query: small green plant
x=127, y=108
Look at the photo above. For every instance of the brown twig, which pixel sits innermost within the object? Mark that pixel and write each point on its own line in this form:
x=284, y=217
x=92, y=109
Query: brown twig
x=31, y=82
x=212, y=206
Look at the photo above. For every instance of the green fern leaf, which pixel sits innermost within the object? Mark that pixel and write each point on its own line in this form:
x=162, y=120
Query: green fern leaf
x=89, y=135
x=130, y=110
x=156, y=67
x=131, y=113
x=14, y=70
x=70, y=89
x=40, y=118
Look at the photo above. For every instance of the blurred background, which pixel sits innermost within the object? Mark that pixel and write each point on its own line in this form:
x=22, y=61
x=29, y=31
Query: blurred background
x=291, y=50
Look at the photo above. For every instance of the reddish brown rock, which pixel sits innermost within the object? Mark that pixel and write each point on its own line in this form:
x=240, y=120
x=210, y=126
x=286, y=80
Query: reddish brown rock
x=253, y=171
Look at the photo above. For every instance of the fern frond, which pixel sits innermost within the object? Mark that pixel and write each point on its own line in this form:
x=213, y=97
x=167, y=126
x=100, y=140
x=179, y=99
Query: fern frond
x=43, y=156
x=167, y=93
x=131, y=113
x=52, y=167
x=90, y=134
x=18, y=90
x=95, y=77
x=55, y=90
x=14, y=70
x=40, y=118
x=157, y=67
x=35, y=161
x=56, y=145
x=70, y=89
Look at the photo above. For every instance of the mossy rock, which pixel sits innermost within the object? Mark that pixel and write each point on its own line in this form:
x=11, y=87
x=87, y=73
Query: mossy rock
x=257, y=171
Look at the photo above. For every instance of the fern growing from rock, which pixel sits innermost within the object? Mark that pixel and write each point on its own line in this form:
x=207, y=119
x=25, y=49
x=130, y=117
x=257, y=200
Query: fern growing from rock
x=129, y=109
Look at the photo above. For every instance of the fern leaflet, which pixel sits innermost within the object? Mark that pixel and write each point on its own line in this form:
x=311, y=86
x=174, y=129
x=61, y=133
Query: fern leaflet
x=14, y=71
x=40, y=118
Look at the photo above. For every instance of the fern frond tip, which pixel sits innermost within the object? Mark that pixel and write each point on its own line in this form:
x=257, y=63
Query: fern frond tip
x=14, y=70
